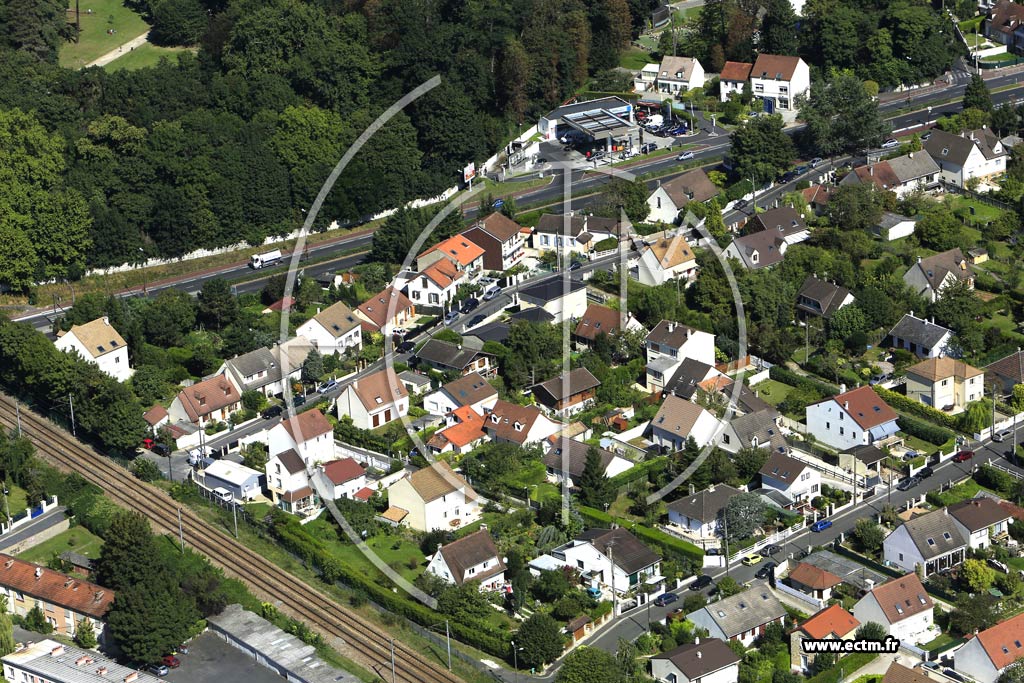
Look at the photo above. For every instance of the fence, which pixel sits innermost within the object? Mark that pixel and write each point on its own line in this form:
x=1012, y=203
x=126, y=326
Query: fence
x=757, y=377
x=364, y=455
x=809, y=600
x=984, y=199
x=776, y=538
x=28, y=515
x=831, y=471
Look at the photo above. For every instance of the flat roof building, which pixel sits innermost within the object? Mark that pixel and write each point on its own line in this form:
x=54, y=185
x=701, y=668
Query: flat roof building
x=52, y=662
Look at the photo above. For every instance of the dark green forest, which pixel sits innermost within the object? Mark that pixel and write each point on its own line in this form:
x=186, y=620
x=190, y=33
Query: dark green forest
x=102, y=168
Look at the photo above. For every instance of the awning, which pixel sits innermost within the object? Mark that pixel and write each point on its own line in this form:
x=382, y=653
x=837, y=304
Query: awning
x=654, y=580
x=884, y=430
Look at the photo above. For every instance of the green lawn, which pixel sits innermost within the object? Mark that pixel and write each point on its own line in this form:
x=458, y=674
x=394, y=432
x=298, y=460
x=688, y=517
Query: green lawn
x=983, y=213
x=999, y=59
x=77, y=539
x=960, y=492
x=634, y=59
x=17, y=500
x=941, y=641
x=94, y=41
x=772, y=392
x=544, y=492
x=143, y=56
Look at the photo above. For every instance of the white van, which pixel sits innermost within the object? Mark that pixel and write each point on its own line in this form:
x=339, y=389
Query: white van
x=222, y=494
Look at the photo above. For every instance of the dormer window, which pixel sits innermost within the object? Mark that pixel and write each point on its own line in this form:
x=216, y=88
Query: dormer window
x=518, y=426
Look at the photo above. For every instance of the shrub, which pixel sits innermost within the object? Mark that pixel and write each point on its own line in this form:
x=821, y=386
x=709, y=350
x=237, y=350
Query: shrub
x=670, y=546
x=787, y=376
x=916, y=408
x=924, y=430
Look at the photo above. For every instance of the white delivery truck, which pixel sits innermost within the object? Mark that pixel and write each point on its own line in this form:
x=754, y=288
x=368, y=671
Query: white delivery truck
x=268, y=259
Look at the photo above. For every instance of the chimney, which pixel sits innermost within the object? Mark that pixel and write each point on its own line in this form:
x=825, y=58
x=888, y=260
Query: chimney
x=106, y=321
x=918, y=259
x=696, y=641
x=846, y=405
x=57, y=651
x=133, y=676
x=39, y=572
x=671, y=327
x=102, y=671
x=68, y=582
x=9, y=563
x=83, y=660
x=711, y=488
x=691, y=488
x=689, y=332
x=842, y=388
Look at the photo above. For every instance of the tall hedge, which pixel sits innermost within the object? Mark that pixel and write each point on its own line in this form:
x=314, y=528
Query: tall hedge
x=670, y=545
x=787, y=376
x=916, y=408
x=927, y=431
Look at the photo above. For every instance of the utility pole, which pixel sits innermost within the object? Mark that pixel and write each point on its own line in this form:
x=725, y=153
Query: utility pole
x=17, y=407
x=71, y=403
x=181, y=532
x=448, y=639
x=725, y=521
x=394, y=676
x=7, y=508
x=611, y=561
x=234, y=514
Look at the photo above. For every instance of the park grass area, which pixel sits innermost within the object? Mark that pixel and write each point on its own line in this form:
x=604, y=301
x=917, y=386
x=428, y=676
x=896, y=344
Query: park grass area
x=144, y=56
x=97, y=18
x=634, y=59
x=76, y=539
x=773, y=392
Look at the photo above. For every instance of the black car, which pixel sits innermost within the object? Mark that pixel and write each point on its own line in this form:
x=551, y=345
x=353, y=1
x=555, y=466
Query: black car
x=272, y=412
x=576, y=265
x=765, y=571
x=908, y=483
x=924, y=473
x=477, y=319
x=665, y=599
x=469, y=304
x=298, y=401
x=769, y=550
x=702, y=582
x=161, y=450
x=405, y=347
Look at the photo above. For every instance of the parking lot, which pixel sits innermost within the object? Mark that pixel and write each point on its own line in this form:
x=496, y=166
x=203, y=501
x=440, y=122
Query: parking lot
x=211, y=660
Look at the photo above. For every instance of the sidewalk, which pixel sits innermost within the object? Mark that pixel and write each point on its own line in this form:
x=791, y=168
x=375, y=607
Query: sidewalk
x=120, y=51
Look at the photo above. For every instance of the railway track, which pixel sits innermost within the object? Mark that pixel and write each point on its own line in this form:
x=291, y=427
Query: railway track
x=265, y=579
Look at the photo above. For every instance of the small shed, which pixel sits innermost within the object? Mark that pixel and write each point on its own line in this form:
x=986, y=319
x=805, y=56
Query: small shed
x=579, y=628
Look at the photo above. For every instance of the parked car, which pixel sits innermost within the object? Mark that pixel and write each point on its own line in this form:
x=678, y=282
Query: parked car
x=765, y=571
x=924, y=138
x=298, y=400
x=963, y=456
x=684, y=156
x=223, y=494
x=272, y=412
x=751, y=559
x=998, y=566
x=172, y=661
x=648, y=147
x=821, y=525
x=890, y=143
x=665, y=599
x=999, y=437
x=925, y=472
x=576, y=265
x=594, y=592
x=405, y=347
x=492, y=292
x=770, y=550
x=157, y=669
x=451, y=316
x=908, y=483
x=469, y=305
x=910, y=455
x=162, y=450
x=789, y=176
x=740, y=203
x=329, y=385
x=679, y=130
x=702, y=582
x=477, y=319
x=816, y=160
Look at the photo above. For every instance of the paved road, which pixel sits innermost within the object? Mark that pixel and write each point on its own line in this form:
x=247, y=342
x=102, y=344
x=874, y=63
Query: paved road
x=37, y=525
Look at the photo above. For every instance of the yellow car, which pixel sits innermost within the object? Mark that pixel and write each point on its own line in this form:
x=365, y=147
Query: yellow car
x=752, y=559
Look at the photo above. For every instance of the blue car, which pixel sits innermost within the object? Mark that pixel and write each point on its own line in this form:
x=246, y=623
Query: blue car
x=821, y=525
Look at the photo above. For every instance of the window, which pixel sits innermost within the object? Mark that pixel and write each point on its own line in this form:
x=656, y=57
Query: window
x=842, y=416
x=659, y=202
x=901, y=557
x=805, y=476
x=725, y=438
x=842, y=430
x=579, y=564
x=828, y=425
x=945, y=382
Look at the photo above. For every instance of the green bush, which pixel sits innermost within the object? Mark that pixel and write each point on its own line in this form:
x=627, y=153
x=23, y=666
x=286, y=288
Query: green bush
x=606, y=245
x=916, y=408
x=645, y=470
x=787, y=376
x=738, y=190
x=926, y=431
x=670, y=546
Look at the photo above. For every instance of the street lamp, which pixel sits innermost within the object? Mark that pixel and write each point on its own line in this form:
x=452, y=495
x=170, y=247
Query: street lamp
x=448, y=639
x=515, y=659
x=143, y=260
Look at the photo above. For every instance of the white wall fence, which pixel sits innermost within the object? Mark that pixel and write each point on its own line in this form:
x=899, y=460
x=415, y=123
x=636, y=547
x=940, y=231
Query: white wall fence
x=777, y=537
x=757, y=377
x=830, y=471
x=793, y=425
x=28, y=515
x=1005, y=423
x=811, y=601
x=380, y=461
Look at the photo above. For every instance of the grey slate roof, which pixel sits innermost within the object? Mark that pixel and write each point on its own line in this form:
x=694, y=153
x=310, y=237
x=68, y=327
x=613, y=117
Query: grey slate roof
x=943, y=146
x=555, y=224
x=496, y=331
x=869, y=455
x=913, y=166
x=851, y=572
x=252, y=363
x=761, y=425
x=291, y=461
x=918, y=331
x=767, y=244
x=705, y=505
x=935, y=534
x=630, y=554
x=890, y=219
x=783, y=220
x=684, y=383
x=700, y=659
x=670, y=333
x=746, y=611
x=550, y=290
x=566, y=386
x=827, y=295
x=577, y=455
x=440, y=352
x=532, y=315
x=469, y=389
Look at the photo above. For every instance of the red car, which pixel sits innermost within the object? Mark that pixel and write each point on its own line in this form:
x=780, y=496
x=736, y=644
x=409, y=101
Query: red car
x=963, y=456
x=148, y=444
x=171, y=662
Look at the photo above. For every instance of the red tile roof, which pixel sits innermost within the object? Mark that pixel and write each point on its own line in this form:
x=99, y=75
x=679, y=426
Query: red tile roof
x=55, y=588
x=278, y=306
x=208, y=396
x=774, y=67
x=363, y=494
x=443, y=273
x=382, y=388
x=735, y=71
x=866, y=407
x=1004, y=642
x=597, y=319
x=343, y=470
x=460, y=248
x=306, y=426
x=154, y=415
x=902, y=598
x=376, y=307
x=470, y=428
x=831, y=620
x=814, y=577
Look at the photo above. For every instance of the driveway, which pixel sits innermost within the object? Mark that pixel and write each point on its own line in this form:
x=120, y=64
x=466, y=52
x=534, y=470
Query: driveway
x=211, y=660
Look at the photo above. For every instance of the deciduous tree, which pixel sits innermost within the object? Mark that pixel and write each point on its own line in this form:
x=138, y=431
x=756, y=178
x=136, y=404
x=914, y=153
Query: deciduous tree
x=540, y=639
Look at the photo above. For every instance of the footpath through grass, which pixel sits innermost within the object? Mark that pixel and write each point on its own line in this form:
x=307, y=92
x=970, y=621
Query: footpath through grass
x=144, y=56
x=98, y=18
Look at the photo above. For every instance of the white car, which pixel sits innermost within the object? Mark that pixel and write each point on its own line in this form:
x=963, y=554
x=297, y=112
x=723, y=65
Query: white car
x=684, y=156
x=492, y=292
x=890, y=143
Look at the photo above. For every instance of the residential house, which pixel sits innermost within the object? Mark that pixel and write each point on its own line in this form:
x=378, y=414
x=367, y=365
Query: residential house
x=892, y=226
x=903, y=175
x=611, y=557
x=346, y=476
x=48, y=661
x=831, y=623
x=566, y=458
x=692, y=376
x=599, y=319
x=415, y=383
x=703, y=661
x=668, y=345
x=897, y=673
x=523, y=425
x=569, y=234
x=335, y=329
x=921, y=337
x=794, y=478
x=777, y=80
x=817, y=197
x=309, y=434
x=646, y=79
x=972, y=154
x=902, y=606
x=669, y=198
x=470, y=558
x=1003, y=23
x=433, y=288
x=447, y=357
x=211, y=400
x=243, y=482
x=288, y=483
x=930, y=276
x=820, y=298
x=435, y=497
x=1006, y=372
x=734, y=78
x=99, y=343
x=665, y=259
x=467, y=256
x=981, y=520
x=470, y=390
x=679, y=420
x=374, y=400
x=697, y=516
x=258, y=370
x=679, y=74
x=864, y=462
x=932, y=541
x=813, y=581
x=501, y=239
x=386, y=312
x=987, y=655
x=784, y=220
x=759, y=429
x=562, y=301
x=464, y=432
x=156, y=417
x=945, y=384
x=853, y=418
x=767, y=238
x=567, y=394
x=742, y=617
x=64, y=600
